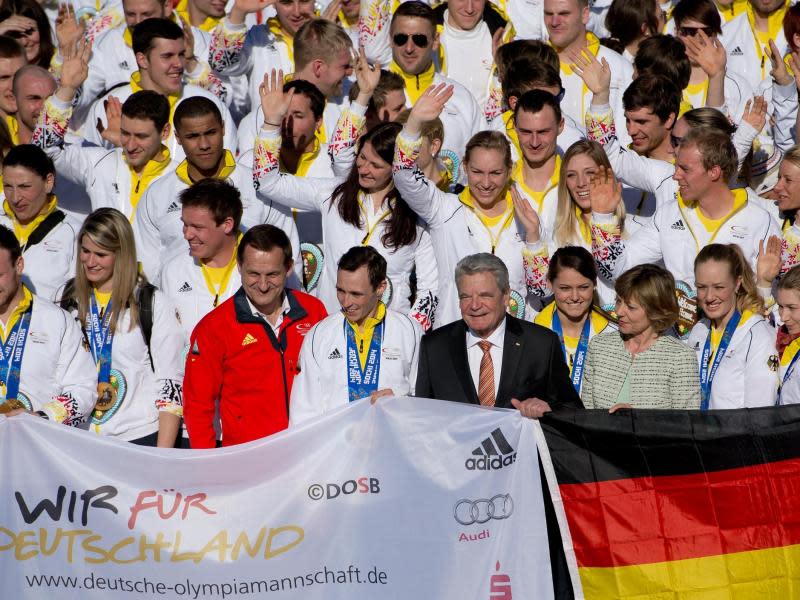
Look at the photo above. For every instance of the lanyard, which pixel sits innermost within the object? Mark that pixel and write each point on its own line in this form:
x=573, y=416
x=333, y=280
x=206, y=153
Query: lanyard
x=786, y=376
x=100, y=338
x=11, y=352
x=223, y=284
x=579, y=362
x=362, y=382
x=706, y=374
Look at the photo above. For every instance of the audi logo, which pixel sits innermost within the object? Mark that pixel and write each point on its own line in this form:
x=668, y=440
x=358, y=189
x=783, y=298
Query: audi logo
x=470, y=512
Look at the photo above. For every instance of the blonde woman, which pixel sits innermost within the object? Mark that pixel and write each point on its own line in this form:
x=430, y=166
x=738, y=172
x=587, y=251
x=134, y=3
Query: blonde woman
x=582, y=161
x=788, y=341
x=786, y=194
x=735, y=345
x=133, y=333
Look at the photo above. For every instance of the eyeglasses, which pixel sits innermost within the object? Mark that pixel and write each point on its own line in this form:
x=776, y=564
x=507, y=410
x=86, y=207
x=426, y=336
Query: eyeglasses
x=675, y=141
x=692, y=31
x=420, y=40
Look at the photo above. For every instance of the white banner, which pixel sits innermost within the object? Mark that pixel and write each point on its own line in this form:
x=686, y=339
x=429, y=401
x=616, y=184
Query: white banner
x=406, y=499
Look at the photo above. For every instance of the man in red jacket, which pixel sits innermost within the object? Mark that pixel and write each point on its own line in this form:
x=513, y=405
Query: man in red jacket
x=244, y=353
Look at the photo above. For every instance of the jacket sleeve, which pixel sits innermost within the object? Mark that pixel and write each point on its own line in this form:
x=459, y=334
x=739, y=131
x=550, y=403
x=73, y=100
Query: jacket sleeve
x=423, y=387
x=684, y=381
x=374, y=20
x=420, y=194
x=202, y=383
x=614, y=255
x=414, y=366
x=307, y=390
x=304, y=193
x=229, y=52
x=76, y=372
x=166, y=346
x=637, y=171
x=424, y=309
x=784, y=103
x=760, y=381
x=342, y=145
x=560, y=391
x=147, y=237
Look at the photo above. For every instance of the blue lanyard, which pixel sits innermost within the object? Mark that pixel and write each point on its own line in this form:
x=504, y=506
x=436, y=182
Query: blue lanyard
x=362, y=382
x=706, y=374
x=100, y=338
x=786, y=375
x=579, y=362
x=11, y=353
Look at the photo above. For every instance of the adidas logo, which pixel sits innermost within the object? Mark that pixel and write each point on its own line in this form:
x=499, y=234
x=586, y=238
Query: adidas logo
x=124, y=65
x=737, y=51
x=335, y=354
x=248, y=339
x=494, y=453
x=174, y=207
x=678, y=225
x=185, y=287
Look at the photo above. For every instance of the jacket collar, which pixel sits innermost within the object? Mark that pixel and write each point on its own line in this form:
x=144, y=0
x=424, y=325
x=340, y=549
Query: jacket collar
x=243, y=314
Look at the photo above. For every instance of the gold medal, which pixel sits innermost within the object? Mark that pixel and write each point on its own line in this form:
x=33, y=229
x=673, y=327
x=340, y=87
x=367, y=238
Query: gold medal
x=106, y=396
x=10, y=405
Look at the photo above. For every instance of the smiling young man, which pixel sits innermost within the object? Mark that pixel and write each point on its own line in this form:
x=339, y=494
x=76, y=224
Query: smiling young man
x=489, y=357
x=157, y=225
x=243, y=355
x=162, y=59
x=199, y=281
x=365, y=350
x=115, y=178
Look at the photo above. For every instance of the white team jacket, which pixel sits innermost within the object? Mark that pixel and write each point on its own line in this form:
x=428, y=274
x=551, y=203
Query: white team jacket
x=790, y=389
x=676, y=236
x=58, y=375
x=183, y=283
x=743, y=56
x=145, y=389
x=158, y=228
x=456, y=232
x=744, y=378
x=97, y=111
x=314, y=194
x=321, y=384
x=51, y=262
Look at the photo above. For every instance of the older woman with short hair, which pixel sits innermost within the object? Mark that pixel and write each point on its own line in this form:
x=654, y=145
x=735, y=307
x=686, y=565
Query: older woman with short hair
x=641, y=365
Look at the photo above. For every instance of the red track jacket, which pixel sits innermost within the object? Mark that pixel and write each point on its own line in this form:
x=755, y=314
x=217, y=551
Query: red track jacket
x=234, y=358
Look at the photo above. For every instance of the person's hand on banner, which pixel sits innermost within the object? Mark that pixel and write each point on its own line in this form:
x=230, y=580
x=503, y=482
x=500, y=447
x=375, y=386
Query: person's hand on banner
x=373, y=397
x=533, y=408
x=617, y=407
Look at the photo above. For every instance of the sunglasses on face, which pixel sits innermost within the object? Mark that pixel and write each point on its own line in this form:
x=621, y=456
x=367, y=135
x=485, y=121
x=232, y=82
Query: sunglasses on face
x=420, y=40
x=692, y=31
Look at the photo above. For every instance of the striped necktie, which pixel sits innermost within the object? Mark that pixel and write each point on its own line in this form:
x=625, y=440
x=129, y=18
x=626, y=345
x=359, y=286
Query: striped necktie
x=486, y=376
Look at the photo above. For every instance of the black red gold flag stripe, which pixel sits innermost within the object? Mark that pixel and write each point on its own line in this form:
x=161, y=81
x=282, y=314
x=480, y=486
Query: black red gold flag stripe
x=681, y=504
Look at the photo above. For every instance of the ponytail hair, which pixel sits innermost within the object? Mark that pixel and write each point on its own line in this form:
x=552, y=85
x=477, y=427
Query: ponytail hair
x=747, y=296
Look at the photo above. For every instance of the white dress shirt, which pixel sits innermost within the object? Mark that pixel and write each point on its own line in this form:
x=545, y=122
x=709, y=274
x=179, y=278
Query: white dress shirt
x=475, y=354
x=276, y=327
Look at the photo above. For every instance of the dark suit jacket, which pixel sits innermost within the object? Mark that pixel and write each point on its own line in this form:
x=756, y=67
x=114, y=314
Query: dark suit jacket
x=533, y=366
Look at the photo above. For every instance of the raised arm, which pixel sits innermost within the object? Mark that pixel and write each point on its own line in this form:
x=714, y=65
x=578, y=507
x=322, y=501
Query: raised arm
x=374, y=19
x=229, y=52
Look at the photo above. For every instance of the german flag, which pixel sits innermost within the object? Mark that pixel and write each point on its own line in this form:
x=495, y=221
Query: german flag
x=681, y=504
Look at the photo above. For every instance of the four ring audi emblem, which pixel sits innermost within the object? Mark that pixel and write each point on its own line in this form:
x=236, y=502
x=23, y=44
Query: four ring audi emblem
x=469, y=512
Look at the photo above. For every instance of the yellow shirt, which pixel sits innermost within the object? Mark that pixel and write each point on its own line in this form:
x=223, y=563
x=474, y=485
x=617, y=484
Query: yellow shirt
x=13, y=129
x=712, y=225
x=716, y=334
x=503, y=221
x=102, y=298
x=415, y=84
x=19, y=310
x=217, y=278
x=226, y=168
x=761, y=38
x=736, y=8
x=282, y=36
x=209, y=24
x=23, y=232
x=364, y=335
x=537, y=196
x=136, y=86
x=693, y=90
x=140, y=181
x=307, y=158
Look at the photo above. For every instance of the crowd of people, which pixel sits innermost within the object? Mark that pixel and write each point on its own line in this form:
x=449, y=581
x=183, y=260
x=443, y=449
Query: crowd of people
x=221, y=220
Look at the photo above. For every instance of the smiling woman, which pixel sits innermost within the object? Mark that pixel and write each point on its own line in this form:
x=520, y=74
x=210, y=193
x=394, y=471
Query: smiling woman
x=26, y=21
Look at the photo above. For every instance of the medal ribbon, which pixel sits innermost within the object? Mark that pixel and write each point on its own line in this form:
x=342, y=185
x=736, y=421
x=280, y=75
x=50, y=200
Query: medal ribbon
x=706, y=374
x=579, y=362
x=11, y=354
x=362, y=382
x=100, y=338
x=786, y=375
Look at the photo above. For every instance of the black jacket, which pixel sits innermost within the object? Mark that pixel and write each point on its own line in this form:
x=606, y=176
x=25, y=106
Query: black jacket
x=533, y=366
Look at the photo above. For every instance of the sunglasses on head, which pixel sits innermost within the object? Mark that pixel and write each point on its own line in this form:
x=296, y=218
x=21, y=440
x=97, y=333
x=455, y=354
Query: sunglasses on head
x=692, y=31
x=420, y=40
